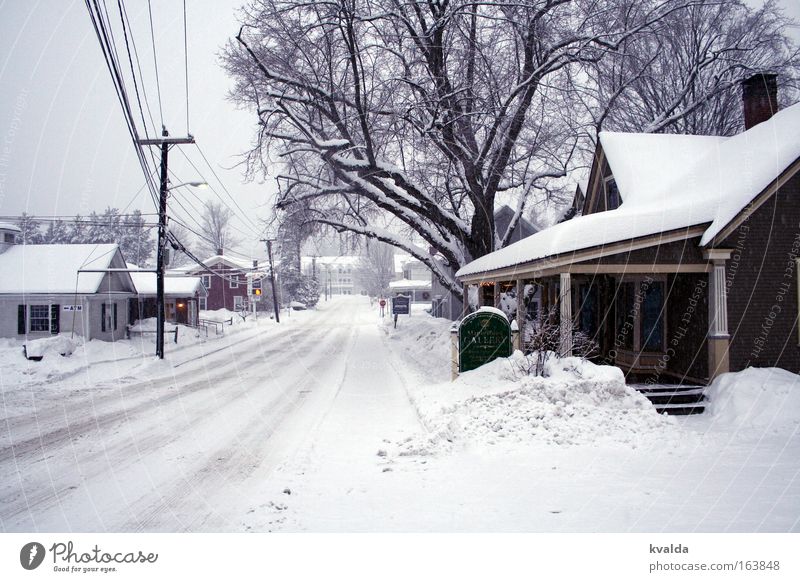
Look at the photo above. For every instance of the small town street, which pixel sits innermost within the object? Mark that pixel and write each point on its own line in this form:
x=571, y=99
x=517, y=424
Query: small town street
x=194, y=447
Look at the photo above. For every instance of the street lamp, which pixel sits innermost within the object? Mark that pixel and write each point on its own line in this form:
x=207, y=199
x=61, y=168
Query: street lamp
x=192, y=184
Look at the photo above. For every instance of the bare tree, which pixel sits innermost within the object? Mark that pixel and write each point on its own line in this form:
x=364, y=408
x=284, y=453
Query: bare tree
x=217, y=232
x=684, y=75
x=429, y=112
x=376, y=268
x=182, y=234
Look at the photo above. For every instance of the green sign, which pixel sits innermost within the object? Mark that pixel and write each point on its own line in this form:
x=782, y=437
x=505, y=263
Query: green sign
x=482, y=337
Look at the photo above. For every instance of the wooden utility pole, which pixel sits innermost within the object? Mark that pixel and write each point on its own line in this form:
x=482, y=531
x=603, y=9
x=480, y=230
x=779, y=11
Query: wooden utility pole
x=272, y=280
x=163, y=142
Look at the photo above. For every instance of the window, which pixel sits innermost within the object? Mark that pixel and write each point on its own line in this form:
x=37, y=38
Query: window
x=238, y=302
x=640, y=315
x=8, y=238
x=626, y=313
x=203, y=303
x=206, y=281
x=587, y=320
x=652, y=320
x=613, y=199
x=108, y=317
x=234, y=282
x=39, y=318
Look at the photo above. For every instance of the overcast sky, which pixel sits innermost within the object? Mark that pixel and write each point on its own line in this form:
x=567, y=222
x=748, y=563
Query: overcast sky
x=64, y=148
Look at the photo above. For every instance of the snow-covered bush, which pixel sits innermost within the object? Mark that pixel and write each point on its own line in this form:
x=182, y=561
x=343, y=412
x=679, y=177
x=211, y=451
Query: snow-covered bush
x=541, y=341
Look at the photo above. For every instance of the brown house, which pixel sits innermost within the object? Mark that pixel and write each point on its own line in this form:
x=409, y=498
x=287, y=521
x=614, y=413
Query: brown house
x=226, y=282
x=683, y=262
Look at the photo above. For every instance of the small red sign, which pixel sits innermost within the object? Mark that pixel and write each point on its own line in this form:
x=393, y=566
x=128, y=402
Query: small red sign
x=383, y=303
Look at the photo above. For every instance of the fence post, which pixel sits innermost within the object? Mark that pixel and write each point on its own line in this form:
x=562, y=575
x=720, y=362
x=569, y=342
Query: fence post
x=454, y=351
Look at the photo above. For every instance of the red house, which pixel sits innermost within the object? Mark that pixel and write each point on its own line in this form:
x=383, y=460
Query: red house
x=225, y=282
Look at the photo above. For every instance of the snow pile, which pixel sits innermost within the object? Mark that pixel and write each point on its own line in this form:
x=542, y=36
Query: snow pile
x=756, y=400
x=55, y=345
x=424, y=341
x=579, y=403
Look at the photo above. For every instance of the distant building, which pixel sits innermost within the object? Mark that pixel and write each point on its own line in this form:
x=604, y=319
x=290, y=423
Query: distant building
x=339, y=274
x=412, y=278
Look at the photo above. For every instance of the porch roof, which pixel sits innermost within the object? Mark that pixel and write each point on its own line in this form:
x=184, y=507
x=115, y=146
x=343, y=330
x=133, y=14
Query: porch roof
x=667, y=183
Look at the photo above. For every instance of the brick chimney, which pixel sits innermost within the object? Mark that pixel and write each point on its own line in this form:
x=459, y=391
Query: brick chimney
x=219, y=252
x=759, y=98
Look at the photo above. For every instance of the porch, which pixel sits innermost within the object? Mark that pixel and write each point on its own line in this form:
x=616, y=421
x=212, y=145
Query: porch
x=665, y=326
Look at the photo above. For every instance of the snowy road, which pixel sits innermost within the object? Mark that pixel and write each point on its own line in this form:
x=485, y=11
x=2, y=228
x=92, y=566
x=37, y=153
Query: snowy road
x=308, y=426
x=202, y=446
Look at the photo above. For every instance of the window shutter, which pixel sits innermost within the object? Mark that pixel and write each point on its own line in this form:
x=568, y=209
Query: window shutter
x=55, y=314
x=102, y=317
x=115, y=316
x=21, y=320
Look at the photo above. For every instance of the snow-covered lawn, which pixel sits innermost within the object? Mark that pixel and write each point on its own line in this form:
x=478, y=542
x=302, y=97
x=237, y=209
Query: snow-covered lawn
x=335, y=421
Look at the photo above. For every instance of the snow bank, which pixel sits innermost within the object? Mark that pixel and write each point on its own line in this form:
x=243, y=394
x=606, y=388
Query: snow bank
x=755, y=400
x=580, y=403
x=497, y=404
x=422, y=340
x=55, y=345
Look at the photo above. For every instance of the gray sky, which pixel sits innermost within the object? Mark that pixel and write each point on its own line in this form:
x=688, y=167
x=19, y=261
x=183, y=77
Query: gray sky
x=64, y=148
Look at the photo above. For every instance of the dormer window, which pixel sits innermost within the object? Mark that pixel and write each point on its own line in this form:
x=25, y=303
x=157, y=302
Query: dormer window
x=612, y=197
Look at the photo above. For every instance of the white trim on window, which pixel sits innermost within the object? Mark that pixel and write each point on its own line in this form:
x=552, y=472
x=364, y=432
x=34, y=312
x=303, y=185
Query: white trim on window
x=206, y=281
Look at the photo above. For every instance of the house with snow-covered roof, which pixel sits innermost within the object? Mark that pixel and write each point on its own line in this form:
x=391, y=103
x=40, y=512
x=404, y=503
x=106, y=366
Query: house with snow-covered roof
x=682, y=264
x=63, y=288
x=182, y=295
x=224, y=278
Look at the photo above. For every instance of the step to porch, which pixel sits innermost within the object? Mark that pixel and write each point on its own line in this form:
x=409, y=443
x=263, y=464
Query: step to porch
x=674, y=399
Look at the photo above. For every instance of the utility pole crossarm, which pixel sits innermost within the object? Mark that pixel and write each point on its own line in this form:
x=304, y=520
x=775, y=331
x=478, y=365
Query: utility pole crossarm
x=159, y=141
x=162, y=142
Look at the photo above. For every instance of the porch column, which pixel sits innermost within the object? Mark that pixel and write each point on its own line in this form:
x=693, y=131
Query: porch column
x=520, y=313
x=480, y=295
x=718, y=337
x=465, y=301
x=496, y=299
x=565, y=305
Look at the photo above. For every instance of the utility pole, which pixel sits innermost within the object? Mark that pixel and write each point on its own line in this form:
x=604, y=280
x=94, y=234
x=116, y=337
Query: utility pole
x=272, y=280
x=163, y=142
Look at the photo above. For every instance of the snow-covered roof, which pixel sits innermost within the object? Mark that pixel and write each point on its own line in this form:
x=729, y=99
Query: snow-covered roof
x=54, y=268
x=343, y=260
x=668, y=182
x=176, y=286
x=9, y=226
x=401, y=260
x=410, y=284
x=233, y=262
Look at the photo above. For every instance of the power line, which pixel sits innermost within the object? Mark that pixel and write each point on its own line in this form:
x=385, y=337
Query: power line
x=124, y=11
x=251, y=226
x=155, y=60
x=105, y=38
x=186, y=64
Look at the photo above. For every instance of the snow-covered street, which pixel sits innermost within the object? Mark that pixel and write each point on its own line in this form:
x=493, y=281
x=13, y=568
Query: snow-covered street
x=305, y=427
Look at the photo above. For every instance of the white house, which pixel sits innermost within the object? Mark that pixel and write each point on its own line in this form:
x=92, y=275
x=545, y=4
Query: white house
x=63, y=288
